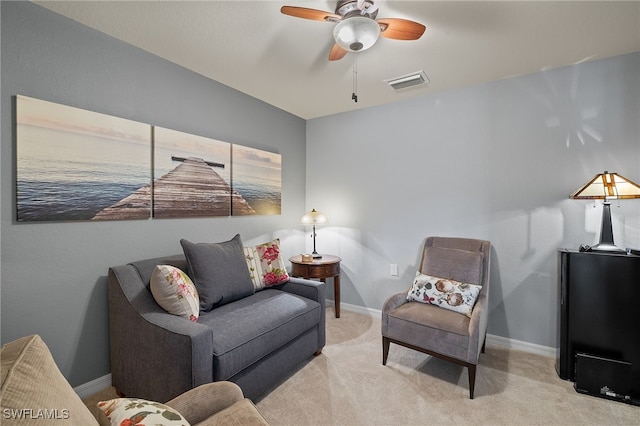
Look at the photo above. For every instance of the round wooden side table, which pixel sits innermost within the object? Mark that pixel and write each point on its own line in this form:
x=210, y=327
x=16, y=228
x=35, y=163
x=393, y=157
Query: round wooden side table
x=327, y=266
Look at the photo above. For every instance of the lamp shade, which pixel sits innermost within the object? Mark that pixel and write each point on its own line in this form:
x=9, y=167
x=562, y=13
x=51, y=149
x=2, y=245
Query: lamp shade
x=356, y=33
x=608, y=186
x=314, y=217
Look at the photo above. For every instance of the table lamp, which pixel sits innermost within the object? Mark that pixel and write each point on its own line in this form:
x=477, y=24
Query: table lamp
x=314, y=218
x=607, y=186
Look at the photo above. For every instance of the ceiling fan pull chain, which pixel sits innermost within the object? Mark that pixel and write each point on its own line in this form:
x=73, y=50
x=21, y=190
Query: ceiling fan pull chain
x=354, y=95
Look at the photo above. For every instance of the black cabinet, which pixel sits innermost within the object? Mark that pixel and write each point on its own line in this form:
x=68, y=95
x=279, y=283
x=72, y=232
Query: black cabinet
x=599, y=318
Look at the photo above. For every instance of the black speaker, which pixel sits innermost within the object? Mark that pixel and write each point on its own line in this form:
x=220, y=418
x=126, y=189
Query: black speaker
x=603, y=377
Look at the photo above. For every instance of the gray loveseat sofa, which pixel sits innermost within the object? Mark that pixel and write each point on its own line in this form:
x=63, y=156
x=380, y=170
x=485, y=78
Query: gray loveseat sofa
x=256, y=341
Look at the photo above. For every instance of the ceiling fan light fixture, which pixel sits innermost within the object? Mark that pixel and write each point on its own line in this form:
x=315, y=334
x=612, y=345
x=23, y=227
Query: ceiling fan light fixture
x=356, y=33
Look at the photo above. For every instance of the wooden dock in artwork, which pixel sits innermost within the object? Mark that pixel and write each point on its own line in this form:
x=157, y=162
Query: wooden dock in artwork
x=209, y=163
x=192, y=189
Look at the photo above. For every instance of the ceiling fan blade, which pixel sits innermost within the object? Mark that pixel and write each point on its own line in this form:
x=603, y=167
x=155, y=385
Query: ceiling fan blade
x=306, y=13
x=400, y=29
x=337, y=53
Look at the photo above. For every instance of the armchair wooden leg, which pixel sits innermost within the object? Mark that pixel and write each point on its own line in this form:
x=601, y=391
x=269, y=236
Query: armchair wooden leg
x=472, y=379
x=385, y=349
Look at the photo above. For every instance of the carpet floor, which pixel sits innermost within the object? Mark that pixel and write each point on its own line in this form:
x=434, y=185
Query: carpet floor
x=348, y=385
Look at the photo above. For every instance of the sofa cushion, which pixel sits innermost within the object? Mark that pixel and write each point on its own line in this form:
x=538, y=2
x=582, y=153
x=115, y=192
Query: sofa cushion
x=219, y=271
x=134, y=411
x=265, y=264
x=174, y=291
x=428, y=326
x=251, y=328
x=34, y=389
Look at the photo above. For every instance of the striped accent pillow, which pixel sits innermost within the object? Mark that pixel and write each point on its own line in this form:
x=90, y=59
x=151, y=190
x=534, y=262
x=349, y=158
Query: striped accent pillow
x=266, y=266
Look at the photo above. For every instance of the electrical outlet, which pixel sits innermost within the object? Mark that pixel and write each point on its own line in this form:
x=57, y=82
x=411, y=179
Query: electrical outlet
x=394, y=269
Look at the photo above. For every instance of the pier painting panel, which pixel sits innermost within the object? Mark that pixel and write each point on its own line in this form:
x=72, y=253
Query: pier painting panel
x=256, y=180
x=191, y=176
x=73, y=163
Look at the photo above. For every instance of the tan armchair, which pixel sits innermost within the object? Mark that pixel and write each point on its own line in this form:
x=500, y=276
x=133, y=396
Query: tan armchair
x=33, y=390
x=434, y=330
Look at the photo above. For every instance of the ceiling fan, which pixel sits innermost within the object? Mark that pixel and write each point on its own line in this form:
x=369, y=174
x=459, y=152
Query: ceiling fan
x=357, y=28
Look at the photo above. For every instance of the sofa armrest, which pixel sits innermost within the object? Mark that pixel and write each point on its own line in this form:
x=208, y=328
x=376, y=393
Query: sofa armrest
x=146, y=340
x=314, y=290
x=200, y=403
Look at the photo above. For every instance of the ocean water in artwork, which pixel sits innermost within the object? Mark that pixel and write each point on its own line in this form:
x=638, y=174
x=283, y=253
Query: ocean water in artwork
x=257, y=176
x=65, y=175
x=170, y=143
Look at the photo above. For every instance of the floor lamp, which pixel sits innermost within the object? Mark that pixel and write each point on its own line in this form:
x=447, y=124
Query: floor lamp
x=607, y=186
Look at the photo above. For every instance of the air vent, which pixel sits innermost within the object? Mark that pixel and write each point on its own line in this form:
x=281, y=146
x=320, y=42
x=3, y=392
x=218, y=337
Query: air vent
x=409, y=80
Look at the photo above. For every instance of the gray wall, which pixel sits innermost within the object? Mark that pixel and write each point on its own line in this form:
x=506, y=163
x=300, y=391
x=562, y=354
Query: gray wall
x=54, y=274
x=495, y=161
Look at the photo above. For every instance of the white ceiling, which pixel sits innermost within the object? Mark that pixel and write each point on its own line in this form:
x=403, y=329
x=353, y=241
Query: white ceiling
x=252, y=47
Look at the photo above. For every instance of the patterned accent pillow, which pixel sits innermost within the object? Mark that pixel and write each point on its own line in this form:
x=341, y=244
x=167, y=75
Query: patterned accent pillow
x=266, y=265
x=175, y=292
x=445, y=293
x=132, y=411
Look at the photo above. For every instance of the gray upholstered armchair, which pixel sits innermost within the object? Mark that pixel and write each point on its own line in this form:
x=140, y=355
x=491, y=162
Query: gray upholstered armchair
x=436, y=331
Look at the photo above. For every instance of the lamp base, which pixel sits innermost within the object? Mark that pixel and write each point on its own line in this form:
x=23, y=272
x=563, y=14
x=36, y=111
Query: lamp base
x=315, y=255
x=606, y=232
x=610, y=248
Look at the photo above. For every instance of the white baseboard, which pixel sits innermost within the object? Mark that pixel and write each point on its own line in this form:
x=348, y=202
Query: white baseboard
x=519, y=345
x=492, y=340
x=94, y=386
x=375, y=313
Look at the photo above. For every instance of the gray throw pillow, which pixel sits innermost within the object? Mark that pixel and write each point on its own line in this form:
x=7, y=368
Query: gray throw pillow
x=219, y=271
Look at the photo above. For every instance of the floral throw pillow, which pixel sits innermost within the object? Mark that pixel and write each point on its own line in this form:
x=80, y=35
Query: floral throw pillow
x=266, y=265
x=175, y=292
x=131, y=411
x=445, y=293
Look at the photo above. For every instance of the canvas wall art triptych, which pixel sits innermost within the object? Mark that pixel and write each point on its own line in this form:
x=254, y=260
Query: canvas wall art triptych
x=74, y=164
